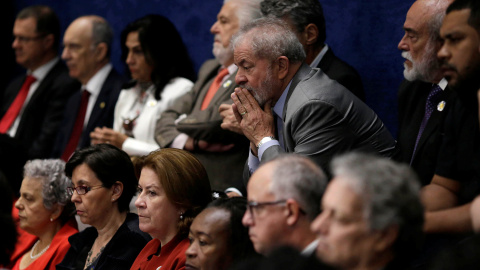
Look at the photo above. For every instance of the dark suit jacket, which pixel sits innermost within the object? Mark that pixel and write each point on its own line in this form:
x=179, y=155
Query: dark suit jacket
x=43, y=114
x=101, y=116
x=412, y=97
x=322, y=119
x=224, y=169
x=343, y=73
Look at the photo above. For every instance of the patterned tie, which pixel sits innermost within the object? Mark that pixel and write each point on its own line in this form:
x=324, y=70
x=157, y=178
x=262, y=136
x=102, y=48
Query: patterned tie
x=16, y=105
x=214, y=88
x=430, y=105
x=77, y=128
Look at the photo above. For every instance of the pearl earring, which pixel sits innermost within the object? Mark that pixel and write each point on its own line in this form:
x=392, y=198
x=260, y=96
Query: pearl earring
x=181, y=216
x=51, y=219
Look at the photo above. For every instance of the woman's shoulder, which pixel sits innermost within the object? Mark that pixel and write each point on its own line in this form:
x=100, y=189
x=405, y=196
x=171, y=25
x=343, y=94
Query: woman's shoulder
x=179, y=82
x=130, y=228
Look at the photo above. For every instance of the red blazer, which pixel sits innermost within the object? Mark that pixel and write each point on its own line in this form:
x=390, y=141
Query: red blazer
x=54, y=254
x=171, y=257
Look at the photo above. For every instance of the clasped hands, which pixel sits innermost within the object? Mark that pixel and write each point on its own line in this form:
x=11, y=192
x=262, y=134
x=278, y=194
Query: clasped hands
x=107, y=135
x=245, y=116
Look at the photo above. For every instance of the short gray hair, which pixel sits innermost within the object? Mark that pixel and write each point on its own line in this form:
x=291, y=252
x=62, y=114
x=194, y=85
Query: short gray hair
x=54, y=181
x=101, y=32
x=247, y=10
x=298, y=178
x=270, y=38
x=300, y=12
x=389, y=191
x=438, y=10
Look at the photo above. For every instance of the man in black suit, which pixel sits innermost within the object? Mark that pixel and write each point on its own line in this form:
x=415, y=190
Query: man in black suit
x=32, y=105
x=87, y=44
x=306, y=19
x=419, y=137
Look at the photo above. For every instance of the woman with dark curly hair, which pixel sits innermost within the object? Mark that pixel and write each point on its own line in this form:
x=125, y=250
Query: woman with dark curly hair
x=173, y=189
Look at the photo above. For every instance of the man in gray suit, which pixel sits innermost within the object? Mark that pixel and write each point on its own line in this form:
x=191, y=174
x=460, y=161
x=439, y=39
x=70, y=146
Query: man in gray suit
x=193, y=123
x=283, y=105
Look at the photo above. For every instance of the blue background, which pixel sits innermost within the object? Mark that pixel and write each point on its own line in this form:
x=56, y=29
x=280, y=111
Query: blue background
x=364, y=33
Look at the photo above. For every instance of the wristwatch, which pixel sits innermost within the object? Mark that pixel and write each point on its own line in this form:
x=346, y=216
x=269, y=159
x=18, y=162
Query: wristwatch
x=264, y=140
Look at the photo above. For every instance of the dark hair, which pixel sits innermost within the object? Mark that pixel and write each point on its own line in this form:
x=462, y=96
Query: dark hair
x=239, y=241
x=163, y=48
x=110, y=165
x=184, y=180
x=473, y=5
x=300, y=12
x=47, y=21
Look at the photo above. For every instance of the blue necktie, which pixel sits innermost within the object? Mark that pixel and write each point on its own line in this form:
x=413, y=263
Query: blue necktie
x=430, y=105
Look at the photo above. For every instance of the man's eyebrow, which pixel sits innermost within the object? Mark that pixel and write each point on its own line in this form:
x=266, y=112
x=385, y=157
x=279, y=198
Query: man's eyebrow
x=409, y=30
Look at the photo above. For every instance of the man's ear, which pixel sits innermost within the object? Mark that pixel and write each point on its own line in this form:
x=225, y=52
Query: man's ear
x=386, y=238
x=310, y=34
x=101, y=51
x=293, y=212
x=283, y=64
x=47, y=41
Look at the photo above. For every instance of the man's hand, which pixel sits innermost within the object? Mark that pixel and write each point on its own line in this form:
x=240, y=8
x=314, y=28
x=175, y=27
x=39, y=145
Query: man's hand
x=107, y=135
x=206, y=146
x=229, y=120
x=255, y=123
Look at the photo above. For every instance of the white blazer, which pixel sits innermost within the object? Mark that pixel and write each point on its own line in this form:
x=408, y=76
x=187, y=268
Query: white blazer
x=143, y=141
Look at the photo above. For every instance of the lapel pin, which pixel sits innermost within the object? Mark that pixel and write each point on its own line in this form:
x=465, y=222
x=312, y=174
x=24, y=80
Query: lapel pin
x=102, y=105
x=227, y=83
x=152, y=103
x=441, y=106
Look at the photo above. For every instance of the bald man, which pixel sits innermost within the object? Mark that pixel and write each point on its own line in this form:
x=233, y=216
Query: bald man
x=87, y=43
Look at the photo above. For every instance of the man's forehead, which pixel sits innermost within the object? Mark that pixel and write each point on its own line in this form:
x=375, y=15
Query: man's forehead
x=417, y=18
x=456, y=21
x=228, y=10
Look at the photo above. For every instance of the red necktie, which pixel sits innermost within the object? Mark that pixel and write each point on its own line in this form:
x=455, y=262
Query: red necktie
x=16, y=105
x=77, y=128
x=213, y=88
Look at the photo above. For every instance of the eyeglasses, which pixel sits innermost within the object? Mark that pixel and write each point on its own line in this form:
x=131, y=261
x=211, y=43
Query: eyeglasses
x=255, y=205
x=23, y=39
x=82, y=190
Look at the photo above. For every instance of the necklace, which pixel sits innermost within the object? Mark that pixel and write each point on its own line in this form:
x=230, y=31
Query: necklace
x=90, y=261
x=33, y=257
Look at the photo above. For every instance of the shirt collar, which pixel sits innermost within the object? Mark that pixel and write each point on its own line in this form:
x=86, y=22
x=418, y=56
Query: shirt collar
x=41, y=72
x=310, y=248
x=443, y=83
x=278, y=108
x=319, y=56
x=232, y=69
x=94, y=85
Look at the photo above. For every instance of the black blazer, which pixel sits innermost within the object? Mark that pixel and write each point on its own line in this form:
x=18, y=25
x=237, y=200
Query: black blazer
x=101, y=116
x=412, y=97
x=338, y=70
x=43, y=114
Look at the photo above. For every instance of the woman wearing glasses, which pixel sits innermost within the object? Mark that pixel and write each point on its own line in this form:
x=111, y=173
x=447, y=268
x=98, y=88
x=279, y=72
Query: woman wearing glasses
x=173, y=189
x=45, y=211
x=161, y=71
x=104, y=183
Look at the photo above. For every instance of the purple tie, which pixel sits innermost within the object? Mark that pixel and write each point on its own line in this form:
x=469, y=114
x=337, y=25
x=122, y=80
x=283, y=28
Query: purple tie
x=430, y=105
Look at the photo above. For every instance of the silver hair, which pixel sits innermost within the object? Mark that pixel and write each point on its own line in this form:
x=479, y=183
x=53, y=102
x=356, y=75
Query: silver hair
x=54, y=181
x=247, y=10
x=298, y=178
x=102, y=33
x=270, y=38
x=438, y=14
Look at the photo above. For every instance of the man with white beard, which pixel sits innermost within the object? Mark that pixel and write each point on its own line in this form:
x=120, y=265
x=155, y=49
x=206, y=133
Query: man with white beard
x=193, y=123
x=423, y=98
